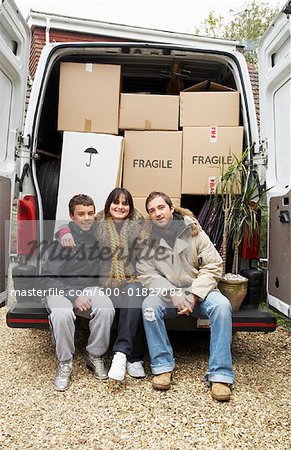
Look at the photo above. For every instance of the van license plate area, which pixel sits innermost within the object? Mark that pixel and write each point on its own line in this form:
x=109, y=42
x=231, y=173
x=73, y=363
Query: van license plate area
x=203, y=323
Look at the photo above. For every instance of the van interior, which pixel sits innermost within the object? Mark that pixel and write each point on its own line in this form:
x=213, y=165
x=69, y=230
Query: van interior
x=144, y=70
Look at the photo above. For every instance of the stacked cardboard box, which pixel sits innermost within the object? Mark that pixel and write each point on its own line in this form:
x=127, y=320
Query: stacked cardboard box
x=152, y=162
x=209, y=115
x=91, y=164
x=153, y=146
x=88, y=113
x=149, y=112
x=154, y=156
x=89, y=97
x=207, y=104
x=90, y=101
x=205, y=151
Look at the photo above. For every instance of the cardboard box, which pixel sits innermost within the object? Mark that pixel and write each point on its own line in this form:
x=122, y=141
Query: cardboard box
x=91, y=164
x=149, y=112
x=204, y=152
x=139, y=203
x=152, y=162
x=89, y=97
x=207, y=104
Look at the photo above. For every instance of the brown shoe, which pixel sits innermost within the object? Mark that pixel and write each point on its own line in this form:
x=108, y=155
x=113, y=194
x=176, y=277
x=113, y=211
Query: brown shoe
x=163, y=381
x=220, y=392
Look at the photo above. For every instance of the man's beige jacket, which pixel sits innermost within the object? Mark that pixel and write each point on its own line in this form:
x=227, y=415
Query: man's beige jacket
x=193, y=264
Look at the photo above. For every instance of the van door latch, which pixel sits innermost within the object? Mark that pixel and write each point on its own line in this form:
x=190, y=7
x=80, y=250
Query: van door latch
x=20, y=180
x=284, y=216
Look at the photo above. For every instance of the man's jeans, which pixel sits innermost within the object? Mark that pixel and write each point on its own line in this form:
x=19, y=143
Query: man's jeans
x=214, y=307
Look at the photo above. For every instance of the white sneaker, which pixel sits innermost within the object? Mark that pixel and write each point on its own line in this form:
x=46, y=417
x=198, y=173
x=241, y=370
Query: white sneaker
x=118, y=367
x=63, y=375
x=135, y=369
x=96, y=364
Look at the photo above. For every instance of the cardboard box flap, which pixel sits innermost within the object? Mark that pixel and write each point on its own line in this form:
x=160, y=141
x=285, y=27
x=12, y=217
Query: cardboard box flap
x=208, y=86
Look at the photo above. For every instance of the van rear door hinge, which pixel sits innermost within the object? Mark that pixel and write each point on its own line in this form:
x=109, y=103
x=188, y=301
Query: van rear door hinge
x=263, y=149
x=22, y=145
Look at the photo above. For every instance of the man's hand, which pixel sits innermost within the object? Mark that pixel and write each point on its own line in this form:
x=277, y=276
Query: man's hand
x=189, y=306
x=194, y=299
x=67, y=240
x=83, y=303
x=182, y=303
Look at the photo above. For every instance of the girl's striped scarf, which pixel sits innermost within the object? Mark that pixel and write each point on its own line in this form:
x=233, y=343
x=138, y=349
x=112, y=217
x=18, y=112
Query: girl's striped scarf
x=121, y=267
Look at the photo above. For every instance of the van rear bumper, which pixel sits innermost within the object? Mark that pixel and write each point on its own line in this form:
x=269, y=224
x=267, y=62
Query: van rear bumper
x=26, y=316
x=243, y=320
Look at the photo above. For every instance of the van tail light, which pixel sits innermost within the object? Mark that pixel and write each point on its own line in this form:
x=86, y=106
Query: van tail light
x=26, y=224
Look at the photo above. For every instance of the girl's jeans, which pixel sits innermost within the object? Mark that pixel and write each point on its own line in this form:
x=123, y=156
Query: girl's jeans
x=130, y=333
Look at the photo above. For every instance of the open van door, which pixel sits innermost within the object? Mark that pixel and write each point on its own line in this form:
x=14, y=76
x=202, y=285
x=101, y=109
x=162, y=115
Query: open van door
x=14, y=56
x=275, y=106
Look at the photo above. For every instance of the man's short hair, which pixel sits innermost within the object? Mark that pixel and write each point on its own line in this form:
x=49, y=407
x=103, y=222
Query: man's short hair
x=80, y=199
x=155, y=194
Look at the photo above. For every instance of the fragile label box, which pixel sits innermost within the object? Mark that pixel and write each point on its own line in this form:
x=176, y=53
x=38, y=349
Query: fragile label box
x=139, y=203
x=152, y=162
x=149, y=112
x=207, y=104
x=91, y=164
x=89, y=97
x=205, y=151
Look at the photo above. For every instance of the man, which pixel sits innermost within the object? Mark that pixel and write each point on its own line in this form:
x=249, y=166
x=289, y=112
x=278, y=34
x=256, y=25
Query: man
x=181, y=269
x=71, y=275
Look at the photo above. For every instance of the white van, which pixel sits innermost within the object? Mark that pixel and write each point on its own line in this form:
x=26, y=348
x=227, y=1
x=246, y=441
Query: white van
x=30, y=158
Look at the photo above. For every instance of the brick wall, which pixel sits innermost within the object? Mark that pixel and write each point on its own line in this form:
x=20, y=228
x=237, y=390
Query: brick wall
x=254, y=76
x=38, y=42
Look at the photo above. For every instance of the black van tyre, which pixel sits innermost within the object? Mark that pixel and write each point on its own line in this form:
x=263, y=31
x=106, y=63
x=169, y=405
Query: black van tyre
x=48, y=175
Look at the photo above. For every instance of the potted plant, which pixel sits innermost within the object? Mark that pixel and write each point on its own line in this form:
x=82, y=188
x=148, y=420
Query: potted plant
x=242, y=203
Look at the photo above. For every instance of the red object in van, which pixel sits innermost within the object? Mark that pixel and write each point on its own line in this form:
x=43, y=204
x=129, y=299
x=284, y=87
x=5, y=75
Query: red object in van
x=251, y=247
x=26, y=225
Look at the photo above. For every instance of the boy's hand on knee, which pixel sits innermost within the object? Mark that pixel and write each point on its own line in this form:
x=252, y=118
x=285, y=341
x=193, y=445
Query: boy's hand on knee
x=83, y=303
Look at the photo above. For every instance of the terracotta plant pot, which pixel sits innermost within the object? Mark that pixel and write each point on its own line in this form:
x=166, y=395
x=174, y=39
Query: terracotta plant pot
x=235, y=290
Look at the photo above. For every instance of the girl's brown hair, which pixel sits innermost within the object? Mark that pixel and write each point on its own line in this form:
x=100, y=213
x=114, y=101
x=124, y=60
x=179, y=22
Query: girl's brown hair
x=114, y=195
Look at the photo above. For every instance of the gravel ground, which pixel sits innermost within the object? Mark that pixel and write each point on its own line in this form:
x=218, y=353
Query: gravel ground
x=130, y=415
